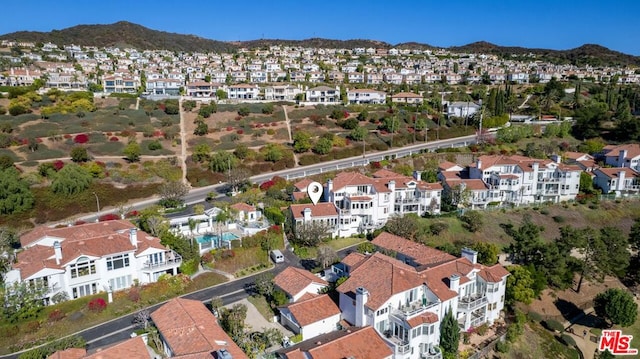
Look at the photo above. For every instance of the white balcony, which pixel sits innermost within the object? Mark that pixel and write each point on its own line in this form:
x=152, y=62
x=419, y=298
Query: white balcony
x=472, y=302
x=408, y=311
x=176, y=261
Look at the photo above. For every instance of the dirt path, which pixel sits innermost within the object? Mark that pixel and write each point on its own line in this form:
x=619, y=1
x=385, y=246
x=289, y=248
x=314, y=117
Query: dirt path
x=183, y=144
x=137, y=103
x=286, y=118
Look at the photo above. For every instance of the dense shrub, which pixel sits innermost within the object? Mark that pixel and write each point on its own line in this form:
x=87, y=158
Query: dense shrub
x=534, y=317
x=81, y=138
x=554, y=325
x=568, y=340
x=56, y=315
x=190, y=267
x=97, y=305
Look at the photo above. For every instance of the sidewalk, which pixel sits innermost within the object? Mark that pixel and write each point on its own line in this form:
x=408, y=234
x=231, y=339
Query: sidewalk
x=586, y=341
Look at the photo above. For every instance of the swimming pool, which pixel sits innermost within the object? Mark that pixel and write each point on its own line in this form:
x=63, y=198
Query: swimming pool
x=213, y=238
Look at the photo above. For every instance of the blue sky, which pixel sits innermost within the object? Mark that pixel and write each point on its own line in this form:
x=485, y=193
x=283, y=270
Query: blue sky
x=555, y=24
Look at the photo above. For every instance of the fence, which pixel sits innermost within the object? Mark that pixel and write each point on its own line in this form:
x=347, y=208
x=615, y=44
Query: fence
x=490, y=345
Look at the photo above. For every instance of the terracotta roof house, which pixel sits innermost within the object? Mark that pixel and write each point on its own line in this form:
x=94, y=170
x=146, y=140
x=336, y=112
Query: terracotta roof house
x=347, y=343
x=323, y=213
x=296, y=282
x=311, y=317
x=623, y=156
x=620, y=181
x=366, y=203
x=405, y=302
x=520, y=180
x=89, y=258
x=247, y=212
x=190, y=331
x=406, y=97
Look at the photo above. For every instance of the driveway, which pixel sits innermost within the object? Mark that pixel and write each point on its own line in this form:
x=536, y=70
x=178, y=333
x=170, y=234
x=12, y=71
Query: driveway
x=256, y=321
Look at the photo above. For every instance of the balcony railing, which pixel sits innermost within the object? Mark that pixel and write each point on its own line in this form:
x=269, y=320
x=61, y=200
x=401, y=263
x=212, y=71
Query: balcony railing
x=433, y=353
x=409, y=311
x=472, y=302
x=168, y=263
x=408, y=200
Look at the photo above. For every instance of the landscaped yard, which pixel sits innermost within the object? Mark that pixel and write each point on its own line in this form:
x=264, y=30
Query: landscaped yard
x=537, y=342
x=243, y=260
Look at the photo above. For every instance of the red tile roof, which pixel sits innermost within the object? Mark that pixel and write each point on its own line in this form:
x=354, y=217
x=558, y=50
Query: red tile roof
x=421, y=254
x=191, y=330
x=243, y=207
x=426, y=317
x=72, y=353
x=313, y=310
x=293, y=280
x=382, y=277
x=323, y=209
x=364, y=343
x=130, y=348
x=83, y=231
x=353, y=259
x=633, y=150
x=494, y=273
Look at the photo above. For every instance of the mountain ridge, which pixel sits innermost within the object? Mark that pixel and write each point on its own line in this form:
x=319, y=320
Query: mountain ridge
x=127, y=34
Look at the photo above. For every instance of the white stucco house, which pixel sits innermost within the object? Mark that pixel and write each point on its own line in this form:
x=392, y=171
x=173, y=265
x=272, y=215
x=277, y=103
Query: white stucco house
x=405, y=302
x=90, y=258
x=314, y=316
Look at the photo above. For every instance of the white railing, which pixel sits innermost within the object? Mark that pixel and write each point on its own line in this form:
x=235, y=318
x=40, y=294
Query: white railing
x=471, y=303
x=169, y=262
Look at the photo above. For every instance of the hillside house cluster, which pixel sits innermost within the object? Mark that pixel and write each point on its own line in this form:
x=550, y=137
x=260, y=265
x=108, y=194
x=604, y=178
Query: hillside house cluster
x=276, y=73
x=402, y=300
x=354, y=203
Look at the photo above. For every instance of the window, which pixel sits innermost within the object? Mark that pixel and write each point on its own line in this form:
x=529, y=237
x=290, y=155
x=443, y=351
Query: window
x=85, y=267
x=117, y=262
x=84, y=290
x=120, y=282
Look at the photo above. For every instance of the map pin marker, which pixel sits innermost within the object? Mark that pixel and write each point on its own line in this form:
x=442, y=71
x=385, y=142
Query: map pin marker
x=314, y=189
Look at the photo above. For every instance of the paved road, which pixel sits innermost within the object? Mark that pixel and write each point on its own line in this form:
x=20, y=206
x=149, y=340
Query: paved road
x=199, y=194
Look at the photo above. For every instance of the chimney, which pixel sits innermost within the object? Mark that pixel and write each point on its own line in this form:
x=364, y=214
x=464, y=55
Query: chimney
x=417, y=175
x=133, y=237
x=454, y=282
x=556, y=158
x=535, y=167
x=621, y=156
x=392, y=186
x=361, y=299
x=470, y=254
x=328, y=190
x=57, y=250
x=621, y=177
x=307, y=214
x=479, y=164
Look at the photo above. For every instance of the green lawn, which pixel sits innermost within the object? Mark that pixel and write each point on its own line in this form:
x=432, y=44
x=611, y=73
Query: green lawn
x=262, y=306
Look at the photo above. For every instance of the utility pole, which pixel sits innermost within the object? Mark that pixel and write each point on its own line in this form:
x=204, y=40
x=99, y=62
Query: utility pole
x=480, y=127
